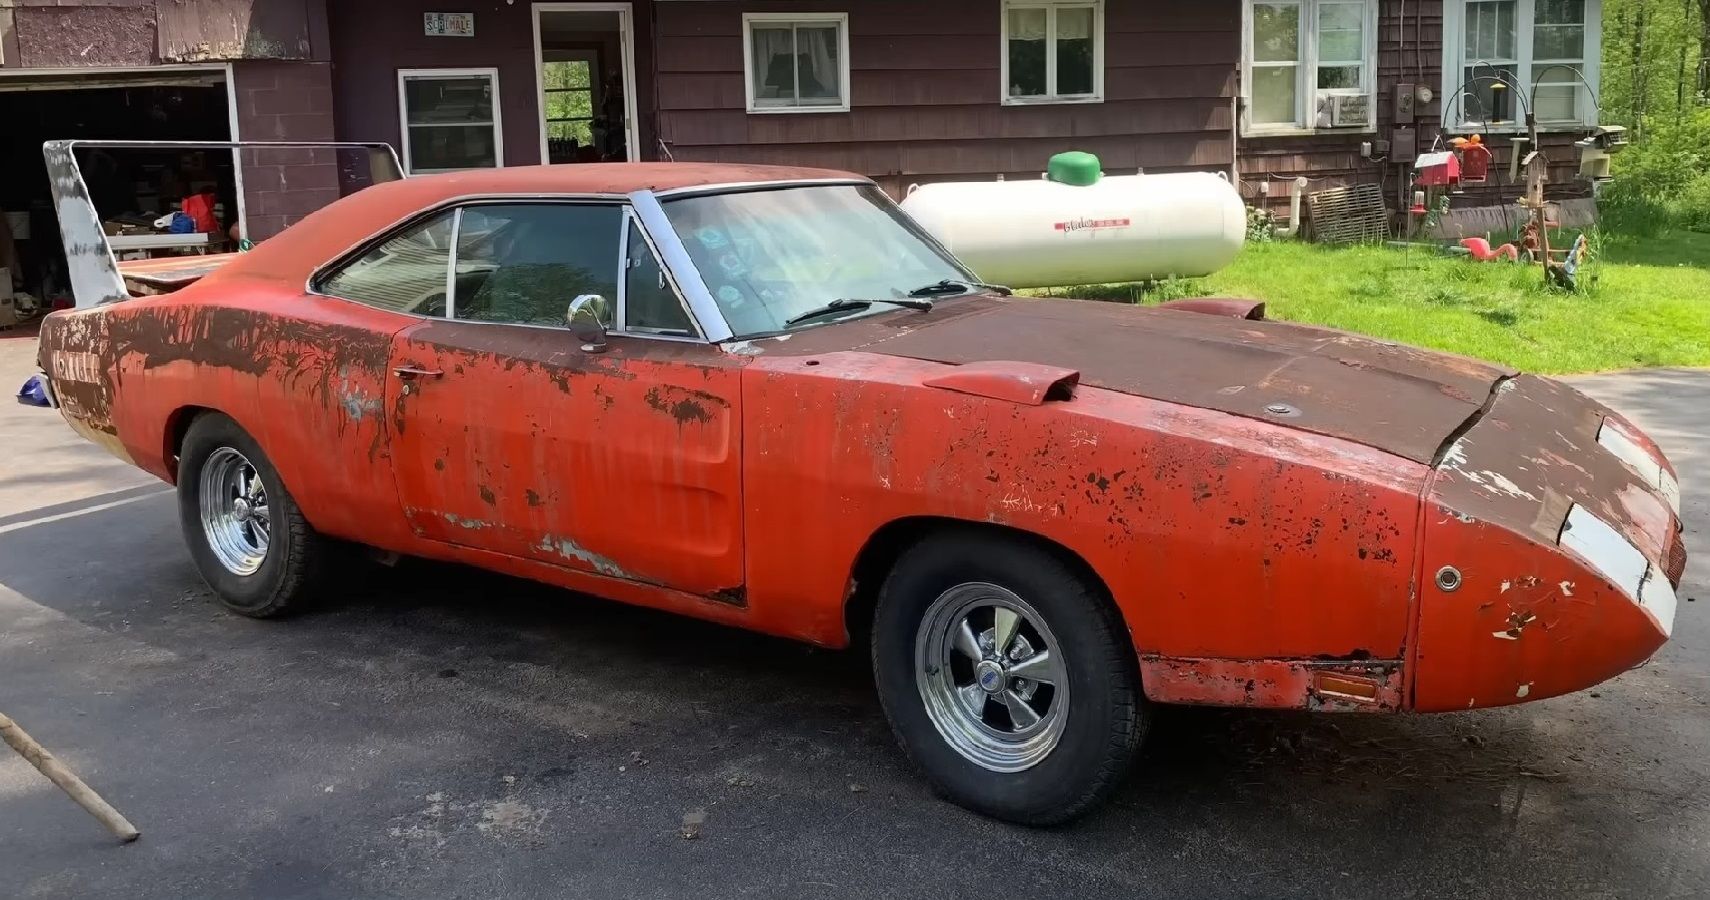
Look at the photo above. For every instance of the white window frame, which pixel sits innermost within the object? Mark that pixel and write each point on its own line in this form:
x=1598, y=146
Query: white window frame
x=840, y=19
x=1525, y=16
x=404, y=126
x=1050, y=96
x=1306, y=72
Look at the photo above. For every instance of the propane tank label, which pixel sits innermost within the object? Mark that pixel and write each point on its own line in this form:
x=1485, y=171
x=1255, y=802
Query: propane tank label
x=1074, y=225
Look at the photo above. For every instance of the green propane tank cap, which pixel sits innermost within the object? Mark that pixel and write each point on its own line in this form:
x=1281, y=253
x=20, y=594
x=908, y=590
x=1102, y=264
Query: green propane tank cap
x=1075, y=167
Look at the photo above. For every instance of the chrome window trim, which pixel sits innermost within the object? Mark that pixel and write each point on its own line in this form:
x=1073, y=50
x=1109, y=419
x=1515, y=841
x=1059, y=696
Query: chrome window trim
x=630, y=219
x=456, y=205
x=931, y=239
x=674, y=257
x=735, y=186
x=344, y=257
x=451, y=265
x=703, y=307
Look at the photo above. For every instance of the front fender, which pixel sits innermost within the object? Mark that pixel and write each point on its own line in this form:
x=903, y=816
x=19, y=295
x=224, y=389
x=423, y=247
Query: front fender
x=1218, y=536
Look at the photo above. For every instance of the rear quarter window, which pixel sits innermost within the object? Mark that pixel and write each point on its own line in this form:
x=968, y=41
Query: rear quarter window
x=405, y=273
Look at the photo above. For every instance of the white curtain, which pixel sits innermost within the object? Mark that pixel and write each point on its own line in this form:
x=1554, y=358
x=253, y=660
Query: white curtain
x=816, y=62
x=774, y=64
x=1027, y=24
x=1074, y=23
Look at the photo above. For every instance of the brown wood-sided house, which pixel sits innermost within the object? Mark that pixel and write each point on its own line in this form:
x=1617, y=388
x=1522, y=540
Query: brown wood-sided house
x=1337, y=91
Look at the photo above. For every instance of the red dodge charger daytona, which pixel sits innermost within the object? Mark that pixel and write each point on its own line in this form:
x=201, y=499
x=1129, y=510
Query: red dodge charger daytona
x=767, y=398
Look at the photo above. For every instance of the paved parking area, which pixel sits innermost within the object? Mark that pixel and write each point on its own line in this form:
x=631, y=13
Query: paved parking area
x=439, y=732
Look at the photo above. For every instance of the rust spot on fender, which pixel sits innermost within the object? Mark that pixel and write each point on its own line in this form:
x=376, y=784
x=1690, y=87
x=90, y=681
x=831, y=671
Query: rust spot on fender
x=1343, y=685
x=683, y=404
x=735, y=596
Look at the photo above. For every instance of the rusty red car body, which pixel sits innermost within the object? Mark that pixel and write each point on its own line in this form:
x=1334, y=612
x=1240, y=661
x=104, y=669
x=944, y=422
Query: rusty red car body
x=1285, y=516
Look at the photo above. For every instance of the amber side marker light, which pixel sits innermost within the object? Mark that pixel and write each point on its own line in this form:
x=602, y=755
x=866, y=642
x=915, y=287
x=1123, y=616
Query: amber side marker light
x=1346, y=687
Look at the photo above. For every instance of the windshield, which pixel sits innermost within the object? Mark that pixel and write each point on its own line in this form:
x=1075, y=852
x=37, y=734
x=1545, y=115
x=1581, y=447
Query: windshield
x=768, y=256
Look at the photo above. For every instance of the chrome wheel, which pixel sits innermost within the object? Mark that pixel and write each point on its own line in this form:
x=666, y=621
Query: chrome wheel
x=234, y=511
x=992, y=677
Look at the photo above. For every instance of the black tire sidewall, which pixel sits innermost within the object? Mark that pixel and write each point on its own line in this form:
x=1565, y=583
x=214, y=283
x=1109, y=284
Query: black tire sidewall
x=258, y=593
x=1105, y=710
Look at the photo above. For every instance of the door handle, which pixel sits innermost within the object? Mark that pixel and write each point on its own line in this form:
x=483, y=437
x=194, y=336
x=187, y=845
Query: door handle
x=411, y=373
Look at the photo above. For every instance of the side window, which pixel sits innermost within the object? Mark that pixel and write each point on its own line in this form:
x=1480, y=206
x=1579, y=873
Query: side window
x=405, y=273
x=650, y=303
x=523, y=264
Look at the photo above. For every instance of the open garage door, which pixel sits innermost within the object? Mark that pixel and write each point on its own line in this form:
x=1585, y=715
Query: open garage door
x=132, y=188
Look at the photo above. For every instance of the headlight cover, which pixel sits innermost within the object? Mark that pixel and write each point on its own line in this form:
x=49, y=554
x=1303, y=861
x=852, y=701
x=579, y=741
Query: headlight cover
x=1616, y=559
x=1615, y=438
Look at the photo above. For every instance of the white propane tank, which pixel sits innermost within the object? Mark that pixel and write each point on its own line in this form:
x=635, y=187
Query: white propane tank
x=1117, y=228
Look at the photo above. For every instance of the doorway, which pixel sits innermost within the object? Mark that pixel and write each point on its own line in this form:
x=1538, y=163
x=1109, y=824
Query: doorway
x=585, y=70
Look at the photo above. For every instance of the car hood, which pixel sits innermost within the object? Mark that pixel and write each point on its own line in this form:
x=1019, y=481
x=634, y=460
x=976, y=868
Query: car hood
x=1397, y=398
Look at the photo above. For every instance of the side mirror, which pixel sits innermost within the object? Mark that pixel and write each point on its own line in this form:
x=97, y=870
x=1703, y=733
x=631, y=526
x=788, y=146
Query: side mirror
x=587, y=320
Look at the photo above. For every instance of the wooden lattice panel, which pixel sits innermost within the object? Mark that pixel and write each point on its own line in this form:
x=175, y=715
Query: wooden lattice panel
x=1346, y=215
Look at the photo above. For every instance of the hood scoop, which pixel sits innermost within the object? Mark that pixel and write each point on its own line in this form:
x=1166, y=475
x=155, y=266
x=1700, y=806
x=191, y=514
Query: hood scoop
x=1029, y=384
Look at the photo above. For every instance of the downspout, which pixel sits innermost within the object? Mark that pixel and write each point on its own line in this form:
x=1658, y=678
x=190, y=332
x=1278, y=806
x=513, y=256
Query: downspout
x=1235, y=138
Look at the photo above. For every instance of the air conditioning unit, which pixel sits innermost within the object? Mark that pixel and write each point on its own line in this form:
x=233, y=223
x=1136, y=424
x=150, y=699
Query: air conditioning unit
x=1344, y=110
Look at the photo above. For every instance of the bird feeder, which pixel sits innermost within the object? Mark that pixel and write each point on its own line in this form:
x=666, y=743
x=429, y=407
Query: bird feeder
x=1440, y=170
x=1594, y=151
x=1474, y=159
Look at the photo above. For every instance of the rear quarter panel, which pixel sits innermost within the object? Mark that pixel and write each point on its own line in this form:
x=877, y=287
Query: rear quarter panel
x=303, y=375
x=1218, y=536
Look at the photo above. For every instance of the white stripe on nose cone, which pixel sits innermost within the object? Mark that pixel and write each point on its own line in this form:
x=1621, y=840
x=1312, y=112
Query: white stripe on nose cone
x=1616, y=559
x=1616, y=440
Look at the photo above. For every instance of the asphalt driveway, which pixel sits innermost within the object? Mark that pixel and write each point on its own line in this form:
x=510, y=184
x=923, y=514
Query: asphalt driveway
x=439, y=732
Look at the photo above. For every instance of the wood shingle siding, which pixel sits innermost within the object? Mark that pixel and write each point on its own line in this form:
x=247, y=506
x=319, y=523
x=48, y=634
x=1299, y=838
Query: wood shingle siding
x=1409, y=51
x=926, y=93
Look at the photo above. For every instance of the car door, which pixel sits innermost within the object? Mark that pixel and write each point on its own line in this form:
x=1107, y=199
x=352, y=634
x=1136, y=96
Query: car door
x=510, y=436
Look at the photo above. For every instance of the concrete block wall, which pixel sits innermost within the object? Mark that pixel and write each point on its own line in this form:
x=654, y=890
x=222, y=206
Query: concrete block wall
x=281, y=100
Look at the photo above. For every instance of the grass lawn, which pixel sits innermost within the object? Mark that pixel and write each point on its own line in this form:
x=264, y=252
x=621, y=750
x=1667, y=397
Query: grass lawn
x=1645, y=302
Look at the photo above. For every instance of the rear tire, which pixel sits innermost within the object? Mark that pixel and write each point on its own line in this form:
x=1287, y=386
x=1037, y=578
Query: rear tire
x=1037, y=730
x=246, y=535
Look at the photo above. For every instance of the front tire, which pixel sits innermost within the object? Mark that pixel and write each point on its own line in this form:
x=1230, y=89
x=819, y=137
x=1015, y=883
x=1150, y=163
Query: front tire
x=245, y=533
x=1007, y=676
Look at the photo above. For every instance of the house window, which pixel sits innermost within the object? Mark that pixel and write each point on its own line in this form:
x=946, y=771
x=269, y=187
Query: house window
x=1053, y=52
x=796, y=62
x=450, y=119
x=1308, y=64
x=1515, y=54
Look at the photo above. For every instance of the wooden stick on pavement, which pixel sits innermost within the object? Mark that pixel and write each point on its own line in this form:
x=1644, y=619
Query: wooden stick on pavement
x=68, y=781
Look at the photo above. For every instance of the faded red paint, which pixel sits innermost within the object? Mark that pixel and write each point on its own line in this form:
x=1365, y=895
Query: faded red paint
x=1027, y=383
x=1264, y=502
x=1219, y=306
x=169, y=273
x=1341, y=686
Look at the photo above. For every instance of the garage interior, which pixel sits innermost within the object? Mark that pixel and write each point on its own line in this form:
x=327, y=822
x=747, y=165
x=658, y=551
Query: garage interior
x=131, y=188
